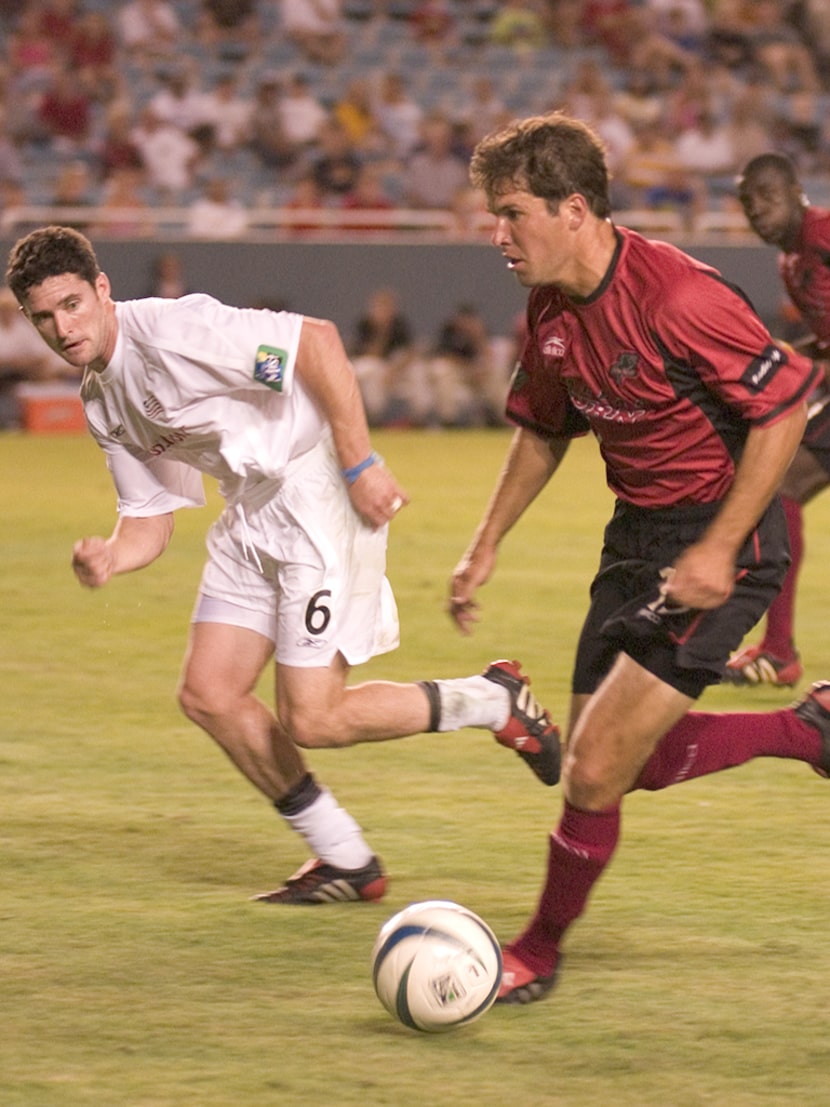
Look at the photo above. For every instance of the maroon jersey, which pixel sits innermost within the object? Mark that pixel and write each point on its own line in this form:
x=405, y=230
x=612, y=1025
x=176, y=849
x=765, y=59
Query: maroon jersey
x=666, y=363
x=806, y=272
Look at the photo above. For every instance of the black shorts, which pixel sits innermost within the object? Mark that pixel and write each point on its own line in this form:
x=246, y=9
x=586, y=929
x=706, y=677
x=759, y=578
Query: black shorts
x=816, y=436
x=687, y=649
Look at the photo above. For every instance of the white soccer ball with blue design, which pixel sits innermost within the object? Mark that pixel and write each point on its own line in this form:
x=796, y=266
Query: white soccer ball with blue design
x=436, y=966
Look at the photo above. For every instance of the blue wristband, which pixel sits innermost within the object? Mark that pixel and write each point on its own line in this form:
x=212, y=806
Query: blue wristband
x=351, y=475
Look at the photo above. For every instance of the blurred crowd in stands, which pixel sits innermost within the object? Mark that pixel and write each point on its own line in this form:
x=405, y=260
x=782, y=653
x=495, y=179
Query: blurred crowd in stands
x=234, y=119
x=456, y=379
x=343, y=114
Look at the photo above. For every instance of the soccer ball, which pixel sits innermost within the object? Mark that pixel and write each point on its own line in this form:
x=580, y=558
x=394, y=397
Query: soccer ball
x=436, y=966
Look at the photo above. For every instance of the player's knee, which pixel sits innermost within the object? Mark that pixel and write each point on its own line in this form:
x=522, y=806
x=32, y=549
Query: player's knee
x=202, y=701
x=588, y=784
x=312, y=729
x=190, y=702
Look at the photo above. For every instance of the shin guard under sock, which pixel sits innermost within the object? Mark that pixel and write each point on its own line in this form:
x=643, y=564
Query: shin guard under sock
x=704, y=742
x=580, y=849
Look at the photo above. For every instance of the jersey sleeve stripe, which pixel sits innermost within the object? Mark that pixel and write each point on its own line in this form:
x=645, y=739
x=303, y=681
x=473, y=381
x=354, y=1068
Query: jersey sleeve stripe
x=807, y=387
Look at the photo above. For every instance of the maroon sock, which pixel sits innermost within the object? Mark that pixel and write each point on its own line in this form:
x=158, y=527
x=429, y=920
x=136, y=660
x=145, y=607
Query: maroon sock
x=779, y=638
x=703, y=743
x=579, y=851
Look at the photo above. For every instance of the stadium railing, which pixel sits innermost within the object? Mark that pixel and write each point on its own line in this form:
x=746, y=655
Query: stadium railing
x=333, y=224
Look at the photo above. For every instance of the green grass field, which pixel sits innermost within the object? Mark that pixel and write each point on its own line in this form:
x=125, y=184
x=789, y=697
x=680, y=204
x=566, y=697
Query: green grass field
x=135, y=971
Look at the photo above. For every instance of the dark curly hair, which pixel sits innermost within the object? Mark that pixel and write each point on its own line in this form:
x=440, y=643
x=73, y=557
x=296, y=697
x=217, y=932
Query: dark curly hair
x=50, y=252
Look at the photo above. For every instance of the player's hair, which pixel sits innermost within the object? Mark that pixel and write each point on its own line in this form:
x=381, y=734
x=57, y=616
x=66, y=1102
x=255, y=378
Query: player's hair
x=552, y=156
x=50, y=252
x=779, y=163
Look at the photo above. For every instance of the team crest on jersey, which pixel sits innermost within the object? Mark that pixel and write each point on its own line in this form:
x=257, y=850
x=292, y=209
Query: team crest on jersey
x=269, y=367
x=625, y=367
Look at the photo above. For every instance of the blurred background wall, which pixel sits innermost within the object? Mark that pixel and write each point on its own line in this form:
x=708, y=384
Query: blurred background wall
x=335, y=280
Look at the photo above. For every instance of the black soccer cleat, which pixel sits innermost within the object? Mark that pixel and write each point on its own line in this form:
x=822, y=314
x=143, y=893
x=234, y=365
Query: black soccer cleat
x=529, y=730
x=318, y=882
x=814, y=708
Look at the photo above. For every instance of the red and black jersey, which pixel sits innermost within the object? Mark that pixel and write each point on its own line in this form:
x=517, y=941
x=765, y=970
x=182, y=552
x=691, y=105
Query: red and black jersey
x=666, y=363
x=806, y=272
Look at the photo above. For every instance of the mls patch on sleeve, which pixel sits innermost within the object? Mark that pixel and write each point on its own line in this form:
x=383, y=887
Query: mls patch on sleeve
x=269, y=367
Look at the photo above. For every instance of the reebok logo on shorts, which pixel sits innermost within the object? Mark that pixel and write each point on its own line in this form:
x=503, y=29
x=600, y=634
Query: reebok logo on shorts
x=269, y=367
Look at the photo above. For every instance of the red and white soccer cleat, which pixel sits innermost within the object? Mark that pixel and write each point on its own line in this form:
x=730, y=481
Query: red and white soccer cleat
x=754, y=665
x=529, y=730
x=519, y=984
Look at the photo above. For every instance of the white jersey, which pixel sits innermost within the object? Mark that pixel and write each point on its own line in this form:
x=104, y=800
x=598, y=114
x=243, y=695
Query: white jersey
x=195, y=386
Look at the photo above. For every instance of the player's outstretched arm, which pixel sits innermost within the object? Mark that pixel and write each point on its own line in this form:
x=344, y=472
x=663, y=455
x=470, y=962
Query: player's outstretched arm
x=531, y=462
x=133, y=544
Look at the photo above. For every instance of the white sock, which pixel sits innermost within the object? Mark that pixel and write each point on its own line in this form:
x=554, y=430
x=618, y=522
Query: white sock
x=331, y=833
x=473, y=701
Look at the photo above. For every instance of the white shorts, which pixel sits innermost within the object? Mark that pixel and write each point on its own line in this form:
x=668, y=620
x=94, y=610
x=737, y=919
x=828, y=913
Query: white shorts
x=296, y=564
